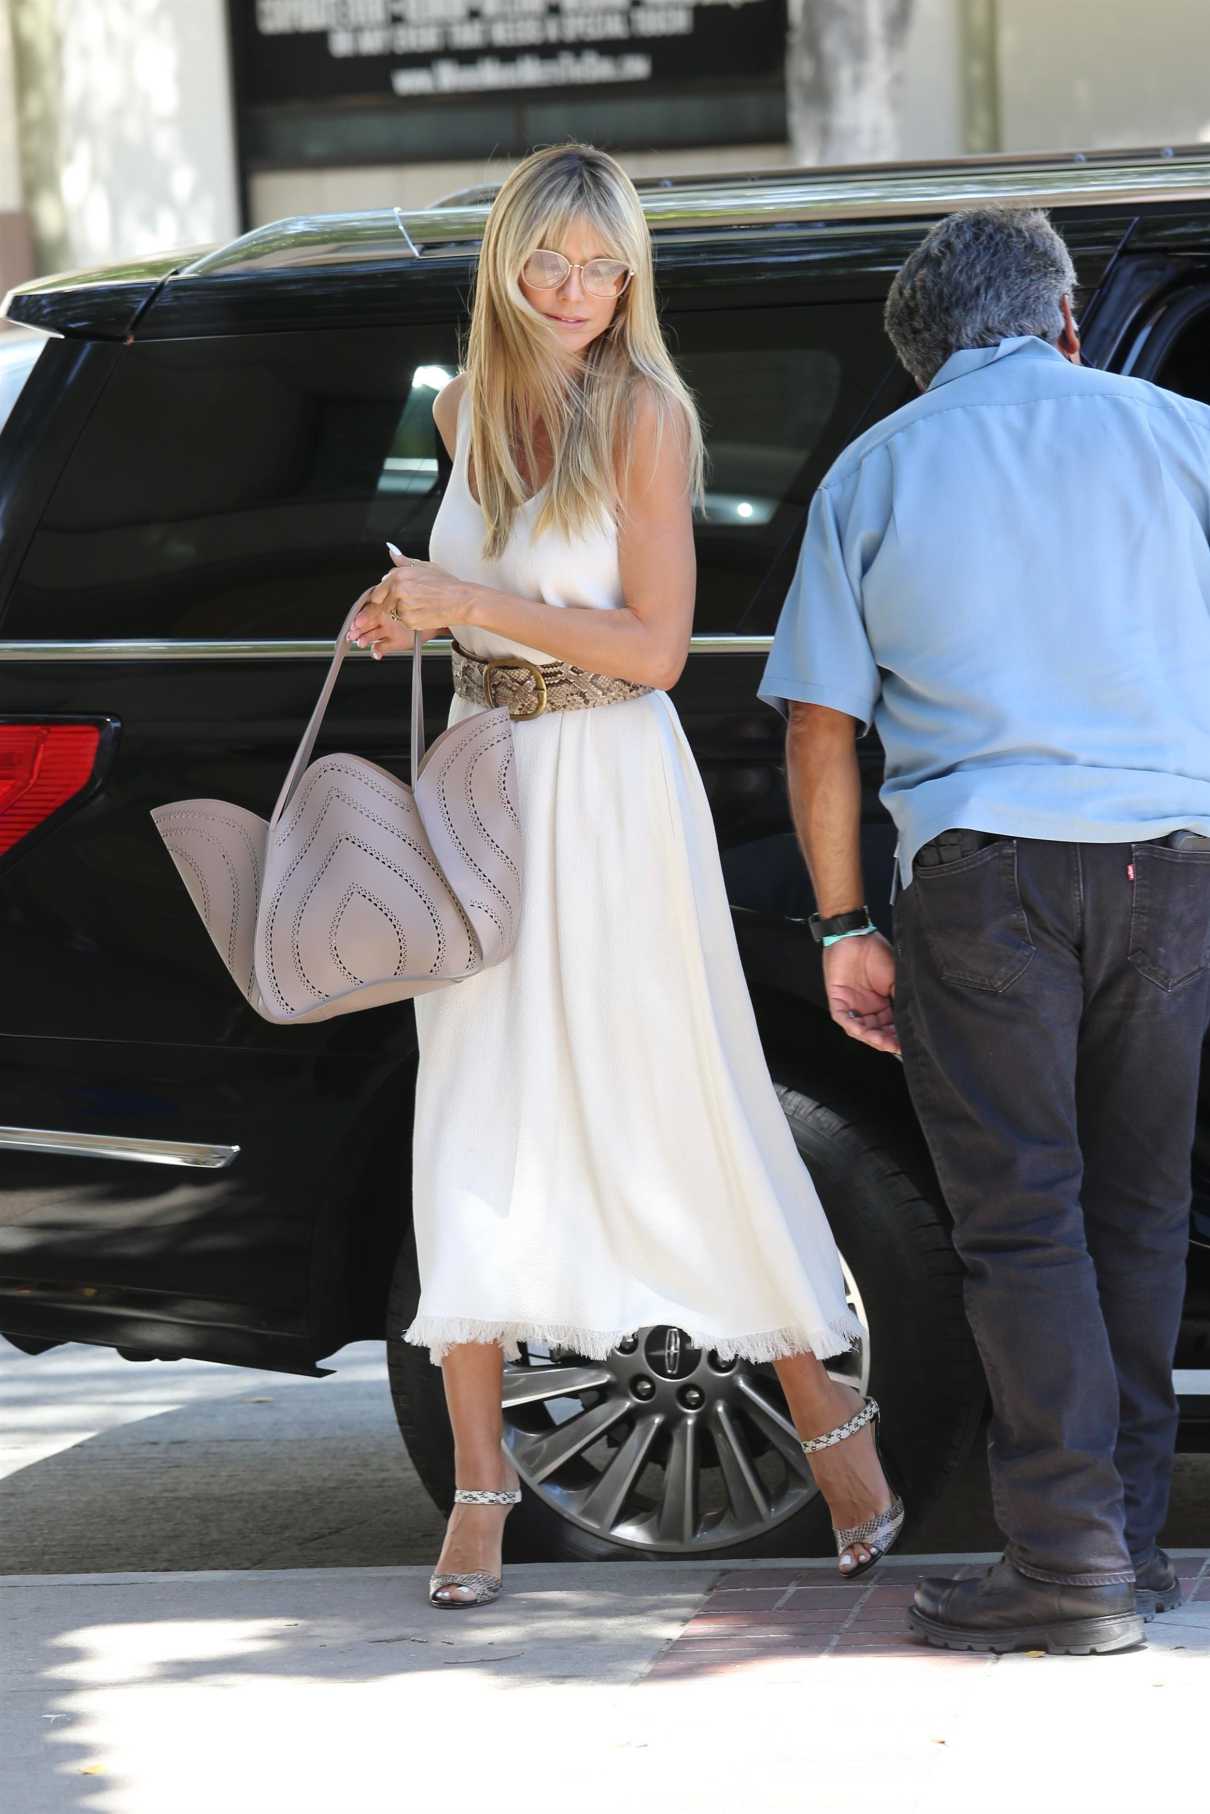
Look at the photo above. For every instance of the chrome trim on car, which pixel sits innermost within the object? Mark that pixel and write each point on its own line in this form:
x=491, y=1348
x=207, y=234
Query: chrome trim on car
x=282, y=649
x=312, y=239
x=765, y=198
x=798, y=196
x=742, y=199
x=730, y=645
x=412, y=249
x=198, y=1153
x=147, y=648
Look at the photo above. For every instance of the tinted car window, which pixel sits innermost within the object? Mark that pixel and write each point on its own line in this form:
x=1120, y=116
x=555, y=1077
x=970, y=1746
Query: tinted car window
x=244, y=487
x=780, y=391
x=240, y=488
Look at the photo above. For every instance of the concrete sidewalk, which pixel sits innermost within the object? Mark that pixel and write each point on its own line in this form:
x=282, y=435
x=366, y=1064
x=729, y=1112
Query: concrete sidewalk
x=770, y=1686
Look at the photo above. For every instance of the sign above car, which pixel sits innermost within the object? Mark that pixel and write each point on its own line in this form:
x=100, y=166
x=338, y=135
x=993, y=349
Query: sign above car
x=329, y=82
x=300, y=50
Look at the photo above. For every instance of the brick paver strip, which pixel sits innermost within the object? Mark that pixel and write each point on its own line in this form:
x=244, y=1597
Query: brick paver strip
x=765, y=1614
x=752, y=1599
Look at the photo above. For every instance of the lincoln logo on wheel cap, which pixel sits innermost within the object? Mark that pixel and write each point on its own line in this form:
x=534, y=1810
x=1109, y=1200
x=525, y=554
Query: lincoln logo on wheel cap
x=670, y=1353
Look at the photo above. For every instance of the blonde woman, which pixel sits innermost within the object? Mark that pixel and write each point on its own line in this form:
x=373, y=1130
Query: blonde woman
x=598, y=1145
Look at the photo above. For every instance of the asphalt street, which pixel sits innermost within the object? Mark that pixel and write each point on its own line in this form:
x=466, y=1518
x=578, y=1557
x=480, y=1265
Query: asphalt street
x=111, y=1465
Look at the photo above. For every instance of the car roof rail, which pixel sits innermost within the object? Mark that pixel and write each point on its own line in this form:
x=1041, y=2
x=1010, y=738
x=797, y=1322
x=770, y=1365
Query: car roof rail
x=109, y=299
x=763, y=198
x=311, y=239
x=479, y=194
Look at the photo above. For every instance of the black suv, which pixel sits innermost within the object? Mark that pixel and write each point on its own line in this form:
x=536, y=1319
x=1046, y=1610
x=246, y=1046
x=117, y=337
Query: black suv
x=197, y=476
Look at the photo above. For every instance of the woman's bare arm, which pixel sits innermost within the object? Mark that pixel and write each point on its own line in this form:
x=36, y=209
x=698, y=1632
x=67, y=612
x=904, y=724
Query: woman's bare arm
x=645, y=640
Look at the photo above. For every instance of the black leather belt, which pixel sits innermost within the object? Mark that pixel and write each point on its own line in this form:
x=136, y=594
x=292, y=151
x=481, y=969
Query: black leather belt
x=948, y=846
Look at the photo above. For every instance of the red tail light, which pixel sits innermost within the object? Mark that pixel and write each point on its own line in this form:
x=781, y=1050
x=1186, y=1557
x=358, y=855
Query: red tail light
x=41, y=767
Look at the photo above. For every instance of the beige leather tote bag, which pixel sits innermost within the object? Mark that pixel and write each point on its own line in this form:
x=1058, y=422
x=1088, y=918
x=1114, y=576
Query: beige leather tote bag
x=361, y=890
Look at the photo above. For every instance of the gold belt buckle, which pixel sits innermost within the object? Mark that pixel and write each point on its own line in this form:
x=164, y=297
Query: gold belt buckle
x=492, y=668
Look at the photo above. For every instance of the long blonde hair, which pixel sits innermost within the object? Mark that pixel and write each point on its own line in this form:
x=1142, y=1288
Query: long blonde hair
x=517, y=375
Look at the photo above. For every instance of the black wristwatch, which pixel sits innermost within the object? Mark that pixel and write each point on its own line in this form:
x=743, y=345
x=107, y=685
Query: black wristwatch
x=856, y=920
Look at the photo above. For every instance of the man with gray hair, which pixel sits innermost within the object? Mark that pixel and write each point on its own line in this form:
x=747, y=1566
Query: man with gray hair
x=1010, y=578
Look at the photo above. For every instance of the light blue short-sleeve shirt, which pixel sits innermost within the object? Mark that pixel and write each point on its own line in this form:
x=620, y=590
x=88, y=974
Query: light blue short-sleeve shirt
x=1010, y=578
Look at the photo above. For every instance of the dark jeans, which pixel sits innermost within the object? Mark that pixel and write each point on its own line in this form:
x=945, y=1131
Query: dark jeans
x=1051, y=1001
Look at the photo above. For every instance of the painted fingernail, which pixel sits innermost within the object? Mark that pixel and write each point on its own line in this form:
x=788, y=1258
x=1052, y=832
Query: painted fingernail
x=397, y=552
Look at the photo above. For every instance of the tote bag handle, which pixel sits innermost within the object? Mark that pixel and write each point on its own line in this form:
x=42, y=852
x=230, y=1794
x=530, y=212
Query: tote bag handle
x=303, y=754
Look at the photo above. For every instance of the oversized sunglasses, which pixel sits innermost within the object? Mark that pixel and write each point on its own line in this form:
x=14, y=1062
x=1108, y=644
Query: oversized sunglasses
x=550, y=271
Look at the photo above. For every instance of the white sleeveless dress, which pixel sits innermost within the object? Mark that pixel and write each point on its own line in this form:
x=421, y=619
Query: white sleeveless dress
x=598, y=1146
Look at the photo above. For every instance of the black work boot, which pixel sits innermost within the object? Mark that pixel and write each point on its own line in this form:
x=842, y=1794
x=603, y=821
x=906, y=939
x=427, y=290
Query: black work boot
x=1156, y=1588
x=1007, y=1610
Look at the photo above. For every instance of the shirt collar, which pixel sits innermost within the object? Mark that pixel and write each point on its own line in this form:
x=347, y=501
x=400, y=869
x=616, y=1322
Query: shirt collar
x=974, y=358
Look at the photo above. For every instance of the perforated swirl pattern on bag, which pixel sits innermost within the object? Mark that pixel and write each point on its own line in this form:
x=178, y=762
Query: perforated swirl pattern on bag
x=360, y=890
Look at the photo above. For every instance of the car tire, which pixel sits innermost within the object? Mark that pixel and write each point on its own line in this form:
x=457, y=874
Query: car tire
x=886, y=1213
x=924, y=1369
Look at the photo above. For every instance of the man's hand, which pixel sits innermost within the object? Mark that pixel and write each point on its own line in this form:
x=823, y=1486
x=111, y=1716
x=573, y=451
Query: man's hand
x=859, y=976
x=825, y=799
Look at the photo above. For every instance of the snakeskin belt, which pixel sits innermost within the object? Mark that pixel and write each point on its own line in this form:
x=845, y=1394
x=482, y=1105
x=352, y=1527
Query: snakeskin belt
x=529, y=689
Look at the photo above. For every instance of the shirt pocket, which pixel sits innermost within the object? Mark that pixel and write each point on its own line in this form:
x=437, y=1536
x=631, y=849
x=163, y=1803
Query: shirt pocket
x=1170, y=914
x=973, y=919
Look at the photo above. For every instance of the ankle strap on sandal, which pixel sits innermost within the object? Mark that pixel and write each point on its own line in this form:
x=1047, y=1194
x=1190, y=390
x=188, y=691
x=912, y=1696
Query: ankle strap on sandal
x=474, y=1496
x=858, y=1421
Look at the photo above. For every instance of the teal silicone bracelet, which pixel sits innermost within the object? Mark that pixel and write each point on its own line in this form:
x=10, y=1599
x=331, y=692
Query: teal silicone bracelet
x=857, y=932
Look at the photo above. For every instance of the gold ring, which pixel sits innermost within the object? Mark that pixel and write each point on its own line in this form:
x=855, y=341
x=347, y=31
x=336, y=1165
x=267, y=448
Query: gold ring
x=393, y=612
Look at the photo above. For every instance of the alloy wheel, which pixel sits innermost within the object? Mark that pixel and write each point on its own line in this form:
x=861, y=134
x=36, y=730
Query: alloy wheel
x=662, y=1447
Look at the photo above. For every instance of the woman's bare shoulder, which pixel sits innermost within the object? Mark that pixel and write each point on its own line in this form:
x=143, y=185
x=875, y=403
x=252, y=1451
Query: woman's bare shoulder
x=445, y=410
x=656, y=438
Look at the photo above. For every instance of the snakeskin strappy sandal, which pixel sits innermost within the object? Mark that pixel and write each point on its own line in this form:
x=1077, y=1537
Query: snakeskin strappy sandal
x=480, y=1587
x=880, y=1533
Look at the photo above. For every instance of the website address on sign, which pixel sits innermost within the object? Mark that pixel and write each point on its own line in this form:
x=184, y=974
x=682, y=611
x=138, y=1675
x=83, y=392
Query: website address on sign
x=569, y=67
